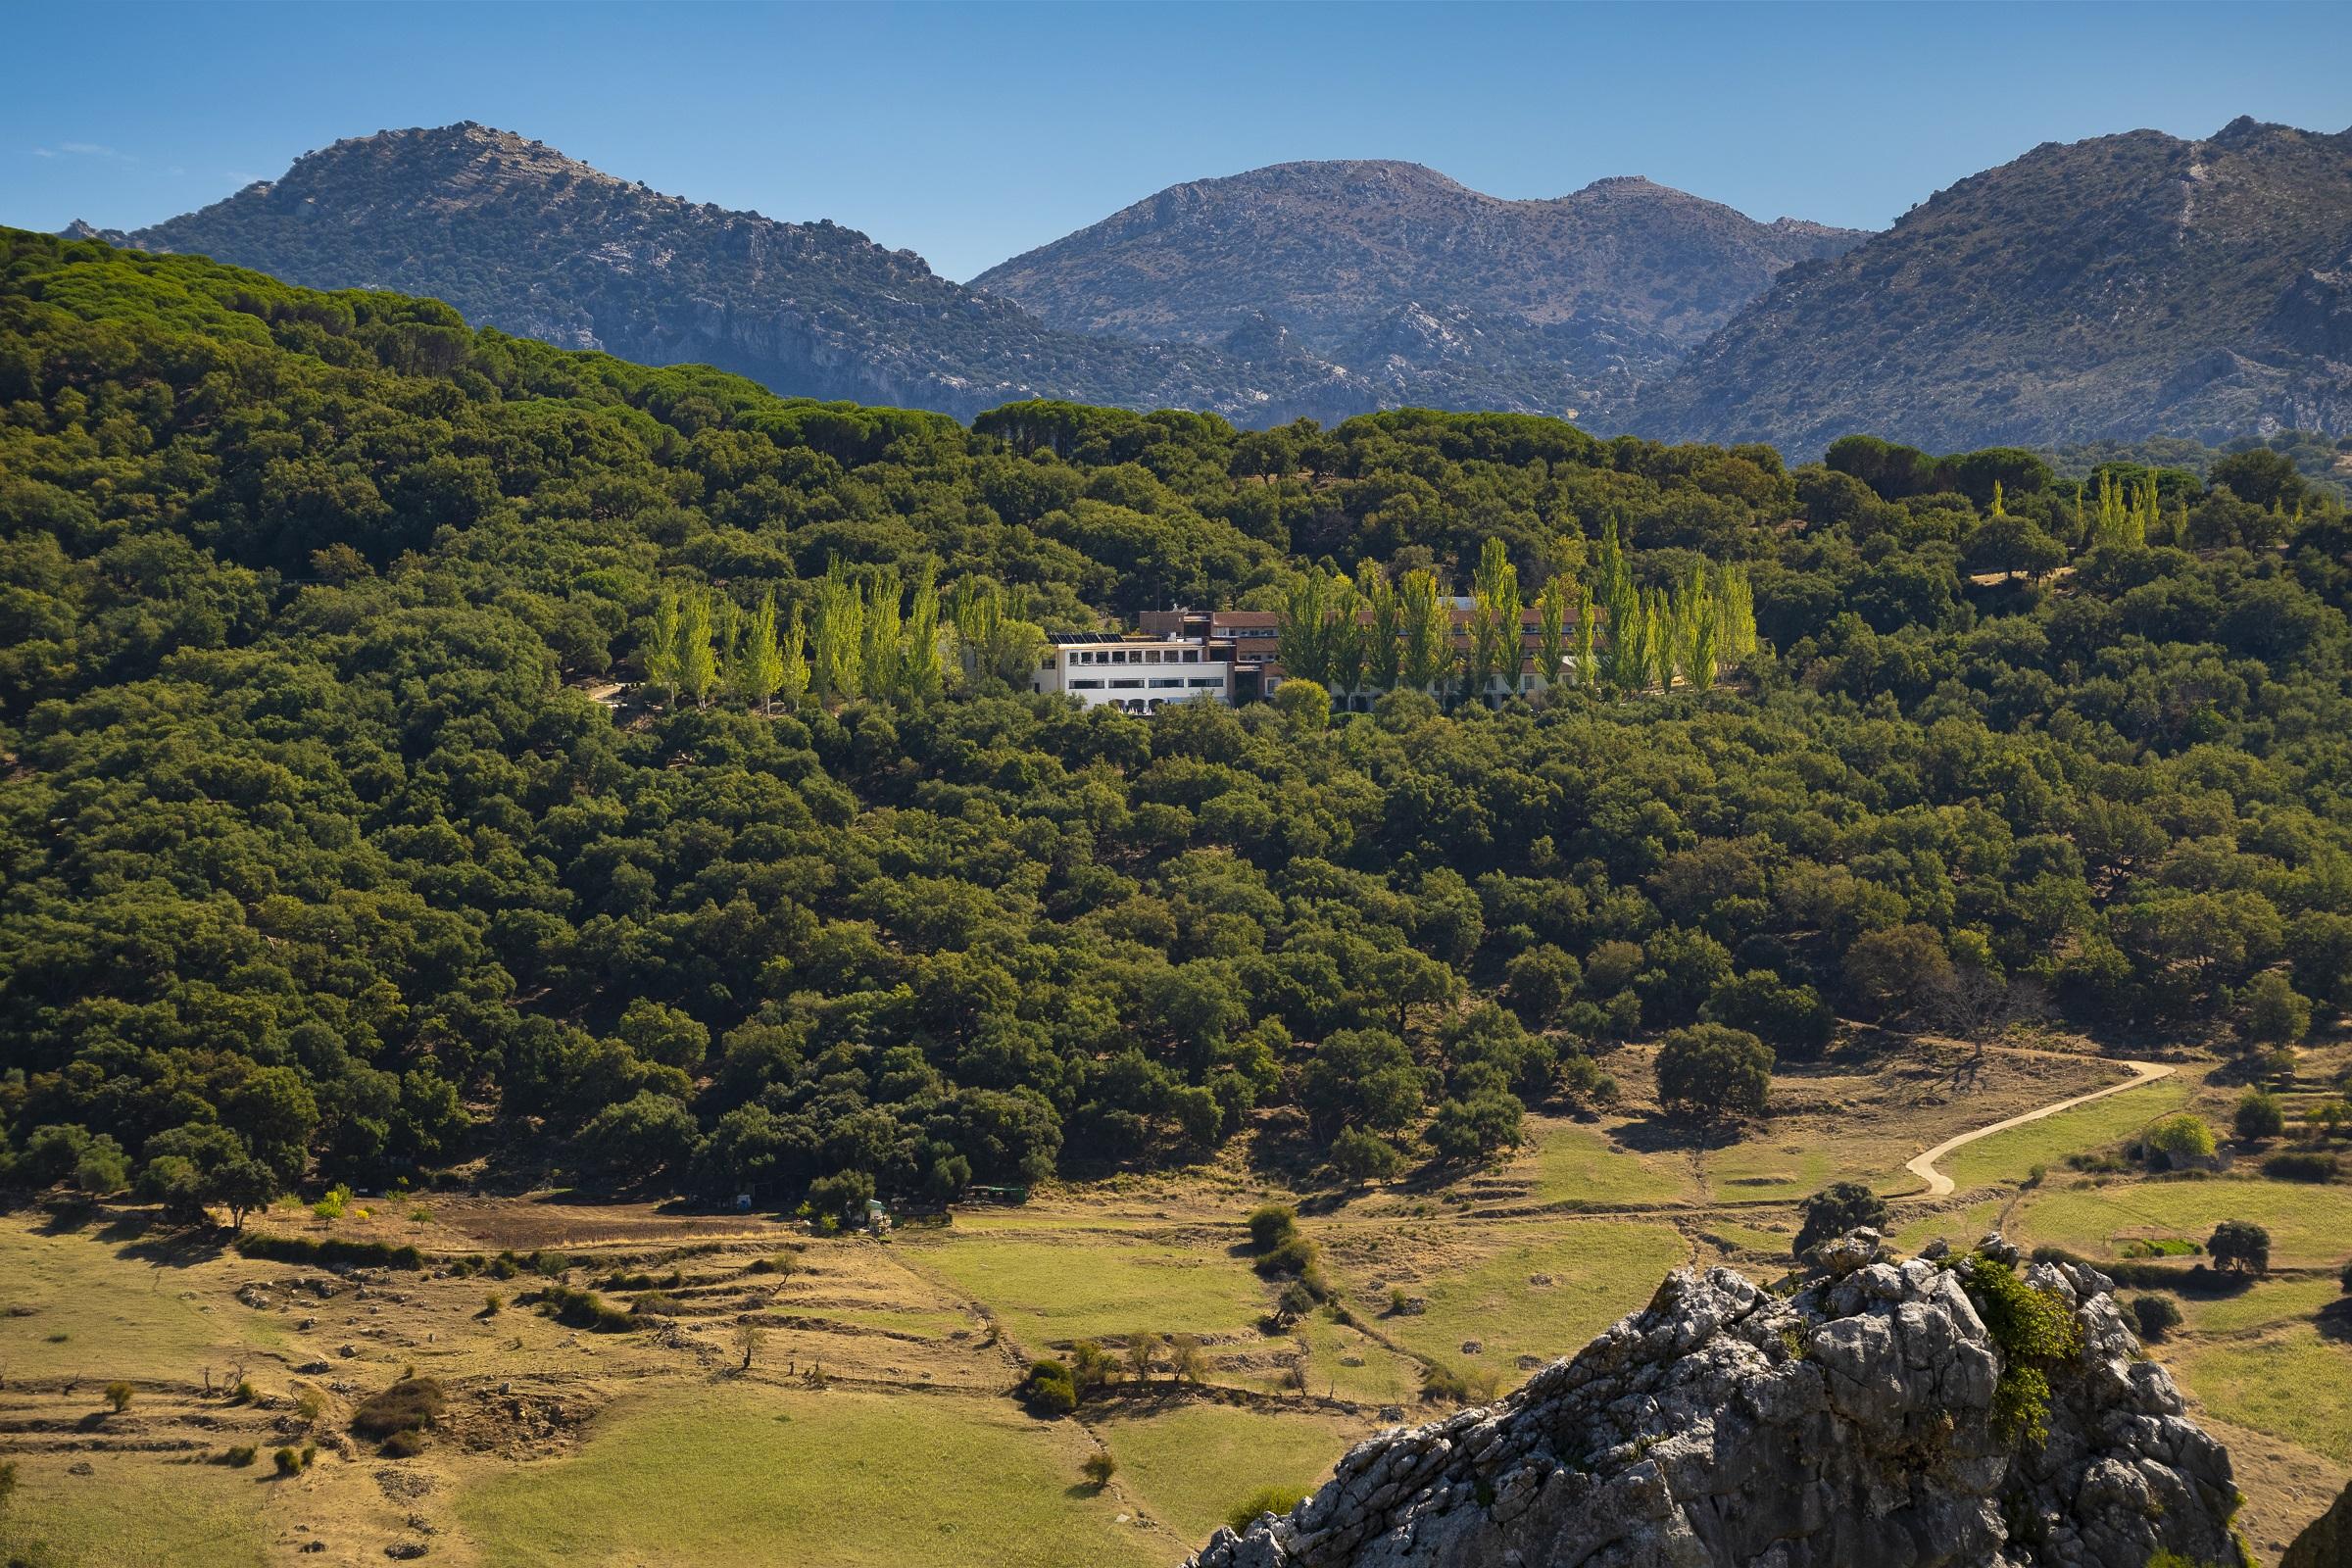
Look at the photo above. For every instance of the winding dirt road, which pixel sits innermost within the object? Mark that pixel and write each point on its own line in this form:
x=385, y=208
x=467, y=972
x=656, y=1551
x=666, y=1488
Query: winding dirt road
x=1940, y=1184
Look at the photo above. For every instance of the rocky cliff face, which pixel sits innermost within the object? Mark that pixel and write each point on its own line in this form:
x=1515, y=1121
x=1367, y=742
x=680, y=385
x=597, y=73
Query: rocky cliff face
x=1871, y=1420
x=2326, y=1542
x=2112, y=288
x=1424, y=290
x=520, y=237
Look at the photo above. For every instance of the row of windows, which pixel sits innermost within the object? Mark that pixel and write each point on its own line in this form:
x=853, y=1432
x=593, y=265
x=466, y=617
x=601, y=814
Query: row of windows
x=1135, y=656
x=1203, y=682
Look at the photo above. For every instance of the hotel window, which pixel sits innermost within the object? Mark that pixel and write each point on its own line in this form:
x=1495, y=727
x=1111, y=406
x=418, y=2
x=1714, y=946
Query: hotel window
x=1086, y=685
x=1206, y=680
x=1162, y=680
x=1124, y=685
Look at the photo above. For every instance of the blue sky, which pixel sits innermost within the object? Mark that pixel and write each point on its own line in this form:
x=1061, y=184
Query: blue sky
x=970, y=134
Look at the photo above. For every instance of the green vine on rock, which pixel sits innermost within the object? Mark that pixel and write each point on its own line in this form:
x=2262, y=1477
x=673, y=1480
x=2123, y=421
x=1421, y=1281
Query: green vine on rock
x=2036, y=1331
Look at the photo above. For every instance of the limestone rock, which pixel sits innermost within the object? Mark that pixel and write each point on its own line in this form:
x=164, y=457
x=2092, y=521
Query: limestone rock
x=1847, y=1426
x=2326, y=1542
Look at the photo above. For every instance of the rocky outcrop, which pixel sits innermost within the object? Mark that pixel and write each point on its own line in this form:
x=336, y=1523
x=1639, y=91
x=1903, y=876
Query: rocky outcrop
x=1870, y=1419
x=2326, y=1542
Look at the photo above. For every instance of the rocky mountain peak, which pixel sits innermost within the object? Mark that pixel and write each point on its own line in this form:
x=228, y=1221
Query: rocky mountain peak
x=1883, y=1412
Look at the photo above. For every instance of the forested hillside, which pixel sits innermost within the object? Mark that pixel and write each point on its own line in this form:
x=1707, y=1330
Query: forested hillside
x=319, y=866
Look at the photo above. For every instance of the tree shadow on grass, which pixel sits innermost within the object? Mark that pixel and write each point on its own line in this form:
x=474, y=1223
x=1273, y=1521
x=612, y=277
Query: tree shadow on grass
x=176, y=1248
x=2335, y=1321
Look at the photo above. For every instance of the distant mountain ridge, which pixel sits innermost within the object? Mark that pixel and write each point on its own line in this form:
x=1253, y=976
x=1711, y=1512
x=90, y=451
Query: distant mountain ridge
x=2114, y=288
x=1428, y=290
x=519, y=237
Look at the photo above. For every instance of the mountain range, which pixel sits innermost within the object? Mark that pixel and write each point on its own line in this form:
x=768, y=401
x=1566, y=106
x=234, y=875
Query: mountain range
x=1428, y=291
x=2114, y=288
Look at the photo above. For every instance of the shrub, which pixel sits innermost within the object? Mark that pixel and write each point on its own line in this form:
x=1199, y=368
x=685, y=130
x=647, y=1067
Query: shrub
x=1296, y=1300
x=1709, y=1072
x=2240, y=1246
x=331, y=1207
x=1049, y=1389
x=1277, y=1501
x=289, y=1463
x=2260, y=1114
x=1837, y=1208
x=310, y=1404
x=240, y=1456
x=409, y=1406
x=493, y=1303
x=781, y=1263
x=1099, y=1468
x=1271, y=1225
x=581, y=1310
x=330, y=1252
x=1362, y=1157
x=2300, y=1166
x=2156, y=1315
x=117, y=1397
x=2035, y=1329
x=1444, y=1382
x=840, y=1198
x=243, y=1393
x=2184, y=1140
x=403, y=1446
x=1294, y=1255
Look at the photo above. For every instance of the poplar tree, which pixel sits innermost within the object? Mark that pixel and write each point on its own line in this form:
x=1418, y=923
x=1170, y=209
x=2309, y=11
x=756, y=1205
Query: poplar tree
x=1585, y=670
x=1494, y=619
x=922, y=678
x=880, y=651
x=1551, y=629
x=698, y=667
x=661, y=653
x=793, y=681
x=761, y=665
x=1428, y=634
x=1384, y=625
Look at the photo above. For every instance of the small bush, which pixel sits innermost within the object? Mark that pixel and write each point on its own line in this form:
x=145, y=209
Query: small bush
x=240, y=1456
x=782, y=1263
x=289, y=1463
x=493, y=1303
x=1444, y=1384
x=330, y=1252
x=244, y=1393
x=1272, y=1225
x=310, y=1404
x=1277, y=1501
x=1049, y=1389
x=1293, y=1256
x=2156, y=1315
x=655, y=1304
x=1099, y=1468
x=582, y=1309
x=403, y=1446
x=2300, y=1167
x=117, y=1397
x=408, y=1405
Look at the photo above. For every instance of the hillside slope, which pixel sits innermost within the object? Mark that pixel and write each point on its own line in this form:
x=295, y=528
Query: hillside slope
x=2112, y=288
x=1435, y=293
x=521, y=237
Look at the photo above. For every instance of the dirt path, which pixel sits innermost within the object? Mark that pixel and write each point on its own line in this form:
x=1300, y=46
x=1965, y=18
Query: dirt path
x=1940, y=1184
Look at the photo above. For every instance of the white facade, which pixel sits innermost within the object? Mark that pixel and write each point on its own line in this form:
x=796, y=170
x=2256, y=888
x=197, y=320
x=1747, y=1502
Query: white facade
x=1135, y=675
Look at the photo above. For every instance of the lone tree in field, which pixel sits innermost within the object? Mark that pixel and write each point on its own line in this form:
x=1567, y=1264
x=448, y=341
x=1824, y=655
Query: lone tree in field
x=1835, y=1209
x=2240, y=1246
x=2259, y=1115
x=749, y=1338
x=117, y=1397
x=241, y=1186
x=1711, y=1071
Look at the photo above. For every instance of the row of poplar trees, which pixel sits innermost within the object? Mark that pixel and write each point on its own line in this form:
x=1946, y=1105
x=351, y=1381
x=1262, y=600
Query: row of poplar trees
x=873, y=635
x=1370, y=634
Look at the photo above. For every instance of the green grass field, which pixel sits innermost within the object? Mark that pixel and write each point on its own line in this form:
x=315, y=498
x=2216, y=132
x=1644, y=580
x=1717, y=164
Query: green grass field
x=2266, y=1302
x=1761, y=1170
x=1384, y=1378
x=1052, y=1291
x=1188, y=1468
x=140, y=1510
x=1579, y=1164
x=2009, y=1157
x=1600, y=1270
x=2294, y=1385
x=747, y=1477
x=75, y=1307
x=2308, y=1225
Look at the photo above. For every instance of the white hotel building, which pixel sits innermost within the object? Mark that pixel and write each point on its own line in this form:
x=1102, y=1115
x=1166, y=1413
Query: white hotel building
x=1137, y=674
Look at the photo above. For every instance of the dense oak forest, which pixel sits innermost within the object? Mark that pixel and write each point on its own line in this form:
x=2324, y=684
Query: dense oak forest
x=317, y=861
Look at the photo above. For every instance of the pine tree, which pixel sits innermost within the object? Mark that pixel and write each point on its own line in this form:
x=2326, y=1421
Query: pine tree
x=761, y=665
x=698, y=666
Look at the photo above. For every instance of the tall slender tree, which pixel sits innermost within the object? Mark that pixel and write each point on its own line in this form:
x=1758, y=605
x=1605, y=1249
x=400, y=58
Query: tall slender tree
x=1494, y=619
x=698, y=661
x=660, y=652
x=759, y=666
x=1384, y=625
x=1428, y=660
